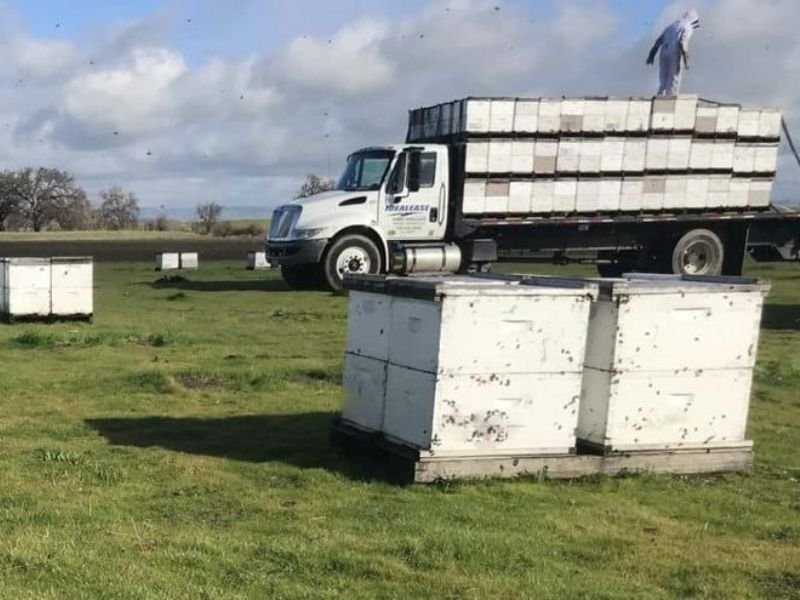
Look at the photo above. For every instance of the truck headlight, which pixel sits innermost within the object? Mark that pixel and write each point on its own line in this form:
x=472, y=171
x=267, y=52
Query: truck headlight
x=307, y=234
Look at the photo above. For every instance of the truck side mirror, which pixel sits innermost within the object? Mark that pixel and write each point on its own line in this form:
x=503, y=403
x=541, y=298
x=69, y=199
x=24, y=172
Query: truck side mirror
x=412, y=179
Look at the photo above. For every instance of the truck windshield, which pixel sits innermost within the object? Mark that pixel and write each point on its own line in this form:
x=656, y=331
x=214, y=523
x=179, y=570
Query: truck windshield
x=365, y=170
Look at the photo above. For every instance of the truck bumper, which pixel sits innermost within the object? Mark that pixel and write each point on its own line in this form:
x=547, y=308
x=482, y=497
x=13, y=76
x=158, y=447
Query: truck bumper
x=301, y=252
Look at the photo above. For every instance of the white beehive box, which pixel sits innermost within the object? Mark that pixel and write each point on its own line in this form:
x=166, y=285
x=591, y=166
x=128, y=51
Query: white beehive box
x=760, y=190
x=482, y=366
x=526, y=116
x=569, y=155
x=565, y=194
x=72, y=287
x=549, y=118
x=474, y=200
x=613, y=153
x=414, y=371
x=25, y=287
x=520, y=196
x=659, y=373
x=545, y=153
x=543, y=196
x=500, y=156
x=497, y=193
x=189, y=260
x=631, y=194
x=366, y=354
x=168, y=261
x=257, y=261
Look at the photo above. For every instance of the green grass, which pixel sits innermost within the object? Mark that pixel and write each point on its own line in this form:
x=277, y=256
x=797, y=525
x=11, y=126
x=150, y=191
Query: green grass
x=178, y=448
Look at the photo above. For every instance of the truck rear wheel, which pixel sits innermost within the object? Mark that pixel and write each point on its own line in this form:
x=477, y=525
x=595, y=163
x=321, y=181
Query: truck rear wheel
x=698, y=252
x=302, y=277
x=349, y=255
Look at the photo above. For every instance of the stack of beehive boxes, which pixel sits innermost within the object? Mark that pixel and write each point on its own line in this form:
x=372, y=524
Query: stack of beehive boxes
x=472, y=368
x=46, y=287
x=606, y=155
x=669, y=362
x=460, y=366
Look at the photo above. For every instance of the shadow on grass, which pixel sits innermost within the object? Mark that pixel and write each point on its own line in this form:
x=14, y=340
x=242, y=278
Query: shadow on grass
x=252, y=285
x=781, y=317
x=301, y=440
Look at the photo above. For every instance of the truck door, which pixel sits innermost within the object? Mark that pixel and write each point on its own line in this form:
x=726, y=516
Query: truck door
x=415, y=202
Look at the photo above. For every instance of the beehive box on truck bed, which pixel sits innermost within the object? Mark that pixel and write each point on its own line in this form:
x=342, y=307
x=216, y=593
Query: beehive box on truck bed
x=543, y=156
x=461, y=366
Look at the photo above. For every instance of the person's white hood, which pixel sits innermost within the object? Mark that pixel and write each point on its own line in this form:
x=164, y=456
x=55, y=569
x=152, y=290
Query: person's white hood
x=688, y=23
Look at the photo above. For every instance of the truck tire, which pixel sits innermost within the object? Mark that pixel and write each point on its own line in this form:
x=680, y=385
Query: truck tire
x=698, y=252
x=348, y=255
x=302, y=277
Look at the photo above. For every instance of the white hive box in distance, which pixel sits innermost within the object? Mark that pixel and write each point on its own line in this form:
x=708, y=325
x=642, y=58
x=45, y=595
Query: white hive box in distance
x=467, y=366
x=669, y=363
x=25, y=287
x=257, y=261
x=189, y=261
x=72, y=286
x=168, y=261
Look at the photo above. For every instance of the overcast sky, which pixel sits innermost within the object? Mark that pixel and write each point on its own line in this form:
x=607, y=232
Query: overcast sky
x=235, y=101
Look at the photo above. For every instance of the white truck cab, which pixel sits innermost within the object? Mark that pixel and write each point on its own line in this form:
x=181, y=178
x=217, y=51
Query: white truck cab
x=386, y=194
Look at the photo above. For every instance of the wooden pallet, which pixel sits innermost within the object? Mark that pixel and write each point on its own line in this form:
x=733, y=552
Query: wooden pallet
x=417, y=466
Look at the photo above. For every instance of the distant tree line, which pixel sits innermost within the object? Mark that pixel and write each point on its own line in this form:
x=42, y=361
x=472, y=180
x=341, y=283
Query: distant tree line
x=40, y=198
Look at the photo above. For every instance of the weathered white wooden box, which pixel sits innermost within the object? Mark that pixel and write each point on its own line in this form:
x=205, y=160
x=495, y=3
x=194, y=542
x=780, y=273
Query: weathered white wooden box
x=468, y=366
x=25, y=287
x=257, y=261
x=72, y=292
x=669, y=363
x=168, y=261
x=189, y=260
x=44, y=287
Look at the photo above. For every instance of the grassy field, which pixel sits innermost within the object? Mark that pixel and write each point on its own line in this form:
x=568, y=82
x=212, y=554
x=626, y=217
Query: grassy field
x=178, y=448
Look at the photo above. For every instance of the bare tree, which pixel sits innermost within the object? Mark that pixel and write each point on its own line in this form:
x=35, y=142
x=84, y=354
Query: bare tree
x=314, y=185
x=8, y=202
x=118, y=209
x=42, y=193
x=208, y=215
x=75, y=212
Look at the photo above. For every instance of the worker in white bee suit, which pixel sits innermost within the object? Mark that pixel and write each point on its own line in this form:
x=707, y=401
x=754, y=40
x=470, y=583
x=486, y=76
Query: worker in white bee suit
x=674, y=46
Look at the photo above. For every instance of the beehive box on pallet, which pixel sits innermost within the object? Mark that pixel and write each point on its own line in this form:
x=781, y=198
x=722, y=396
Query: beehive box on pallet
x=46, y=287
x=72, y=292
x=257, y=261
x=189, y=261
x=168, y=261
x=669, y=363
x=25, y=287
x=414, y=371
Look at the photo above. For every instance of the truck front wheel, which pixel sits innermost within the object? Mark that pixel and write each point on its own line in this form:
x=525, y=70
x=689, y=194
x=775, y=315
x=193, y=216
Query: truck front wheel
x=349, y=255
x=698, y=252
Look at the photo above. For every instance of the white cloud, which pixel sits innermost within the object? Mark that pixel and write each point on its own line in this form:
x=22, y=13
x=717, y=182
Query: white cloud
x=349, y=63
x=134, y=95
x=40, y=58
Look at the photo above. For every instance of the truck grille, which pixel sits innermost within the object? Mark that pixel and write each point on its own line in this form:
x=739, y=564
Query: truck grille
x=283, y=220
